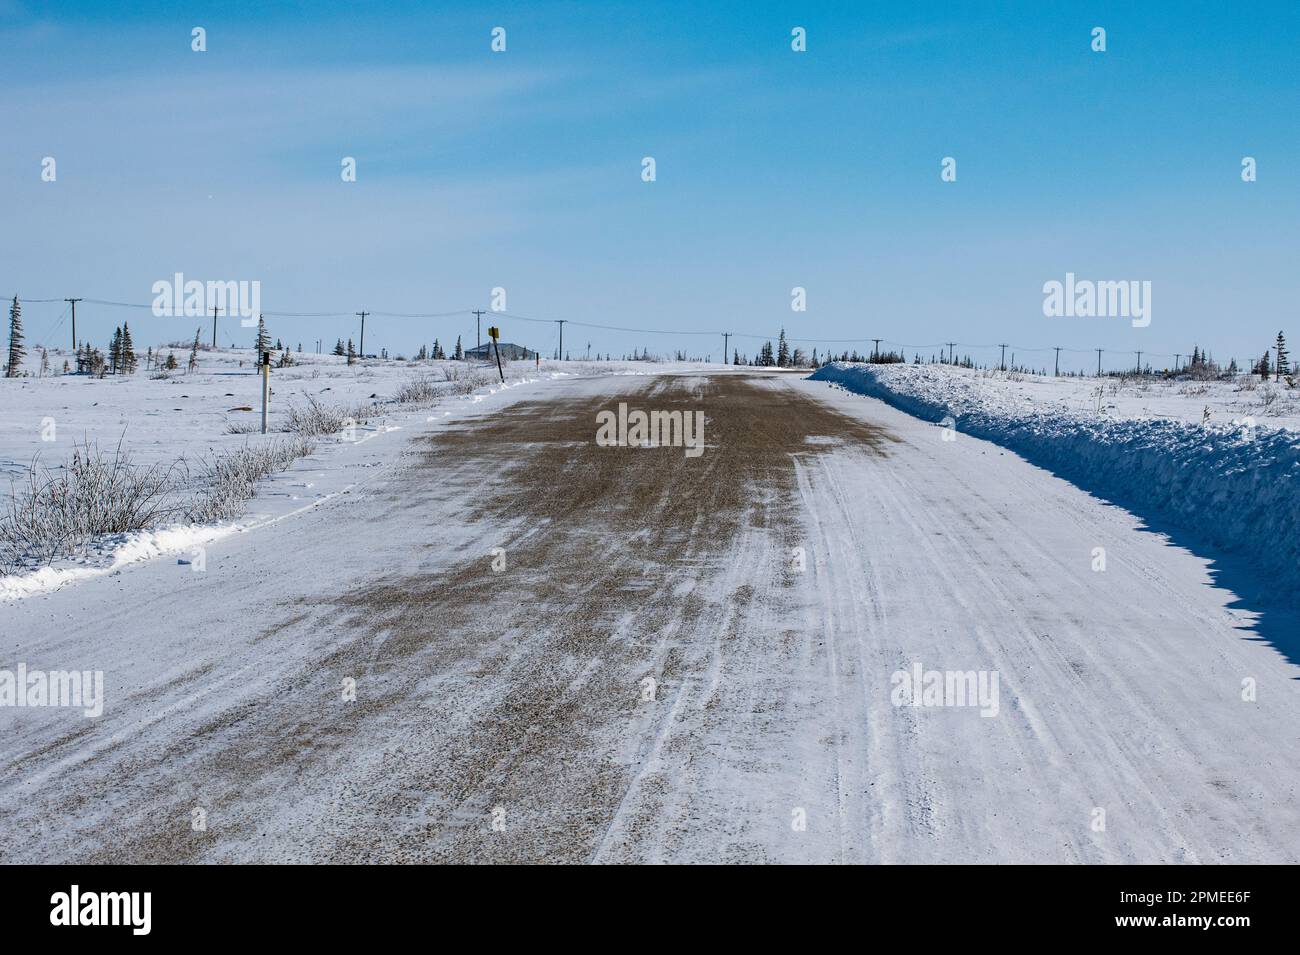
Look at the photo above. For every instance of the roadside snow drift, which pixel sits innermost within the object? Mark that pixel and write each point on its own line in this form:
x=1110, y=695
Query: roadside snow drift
x=1233, y=484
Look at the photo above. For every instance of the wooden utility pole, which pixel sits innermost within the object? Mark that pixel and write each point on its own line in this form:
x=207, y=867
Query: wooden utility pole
x=1004, y=356
x=950, y=344
x=561, y=322
x=478, y=328
x=214, y=326
x=1058, y=363
x=1139, y=363
x=363, y=333
x=1178, y=362
x=875, y=351
x=1098, y=362
x=74, y=302
x=725, y=337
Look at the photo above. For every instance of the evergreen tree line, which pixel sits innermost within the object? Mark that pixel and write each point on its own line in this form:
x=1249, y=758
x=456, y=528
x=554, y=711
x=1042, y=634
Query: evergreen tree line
x=121, y=358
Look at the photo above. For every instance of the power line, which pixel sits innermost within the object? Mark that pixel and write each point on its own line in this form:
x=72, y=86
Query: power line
x=634, y=330
x=54, y=329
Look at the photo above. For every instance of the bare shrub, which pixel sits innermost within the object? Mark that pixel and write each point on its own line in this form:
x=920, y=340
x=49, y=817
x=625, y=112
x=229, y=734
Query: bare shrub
x=57, y=512
x=419, y=389
x=1268, y=397
x=243, y=427
x=466, y=380
x=232, y=478
x=320, y=419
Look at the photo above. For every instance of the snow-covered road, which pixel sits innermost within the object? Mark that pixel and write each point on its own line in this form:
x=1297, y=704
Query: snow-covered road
x=566, y=652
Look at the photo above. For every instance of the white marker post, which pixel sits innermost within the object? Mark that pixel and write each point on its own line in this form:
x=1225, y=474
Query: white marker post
x=266, y=386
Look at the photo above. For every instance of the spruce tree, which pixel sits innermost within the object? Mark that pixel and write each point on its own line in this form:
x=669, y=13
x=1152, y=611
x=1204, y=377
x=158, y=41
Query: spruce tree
x=783, y=351
x=338, y=348
x=263, y=338
x=115, y=352
x=193, y=363
x=16, y=349
x=352, y=353
x=459, y=353
x=129, y=361
x=1283, y=366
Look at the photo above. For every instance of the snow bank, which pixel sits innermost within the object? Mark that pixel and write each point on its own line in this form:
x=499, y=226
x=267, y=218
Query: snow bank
x=122, y=549
x=1235, y=485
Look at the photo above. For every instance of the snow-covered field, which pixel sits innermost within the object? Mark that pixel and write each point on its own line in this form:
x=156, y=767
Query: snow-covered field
x=1214, y=458
x=194, y=414
x=193, y=419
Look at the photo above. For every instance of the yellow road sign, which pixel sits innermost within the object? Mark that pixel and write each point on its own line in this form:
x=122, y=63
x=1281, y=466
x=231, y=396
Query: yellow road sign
x=493, y=332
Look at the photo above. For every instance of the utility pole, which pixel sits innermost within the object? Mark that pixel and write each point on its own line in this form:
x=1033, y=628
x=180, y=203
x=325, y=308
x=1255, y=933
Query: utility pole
x=1139, y=363
x=1177, y=362
x=74, y=302
x=725, y=336
x=214, y=326
x=362, y=349
x=875, y=351
x=478, y=328
x=1004, y=356
x=950, y=344
x=1058, y=363
x=1098, y=362
x=561, y=322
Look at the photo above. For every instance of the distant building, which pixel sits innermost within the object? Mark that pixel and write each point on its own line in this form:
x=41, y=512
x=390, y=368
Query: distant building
x=509, y=352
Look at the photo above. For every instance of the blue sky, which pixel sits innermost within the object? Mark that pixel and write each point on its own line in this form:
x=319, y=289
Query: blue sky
x=775, y=169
